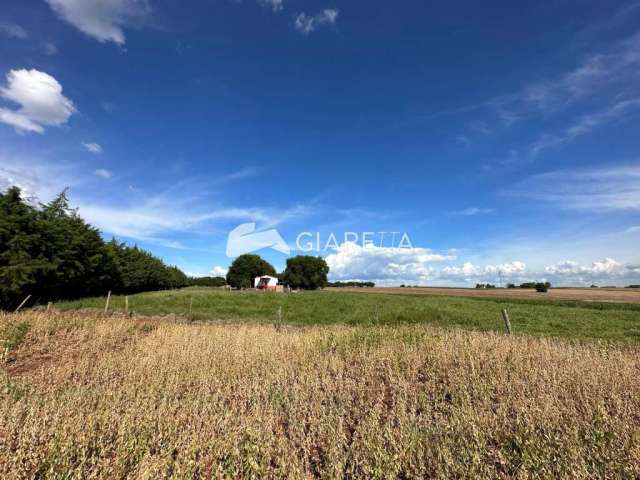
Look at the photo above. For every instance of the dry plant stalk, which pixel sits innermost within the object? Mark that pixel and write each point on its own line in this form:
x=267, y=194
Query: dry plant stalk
x=84, y=396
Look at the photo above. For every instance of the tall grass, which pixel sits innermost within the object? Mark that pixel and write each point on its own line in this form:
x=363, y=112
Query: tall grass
x=87, y=396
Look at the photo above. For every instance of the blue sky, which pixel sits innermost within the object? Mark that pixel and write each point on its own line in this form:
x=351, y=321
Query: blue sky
x=501, y=137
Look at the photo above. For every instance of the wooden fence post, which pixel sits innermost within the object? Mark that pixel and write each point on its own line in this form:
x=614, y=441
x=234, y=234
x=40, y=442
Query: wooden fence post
x=23, y=302
x=190, y=308
x=126, y=305
x=49, y=306
x=106, y=305
x=507, y=323
x=279, y=315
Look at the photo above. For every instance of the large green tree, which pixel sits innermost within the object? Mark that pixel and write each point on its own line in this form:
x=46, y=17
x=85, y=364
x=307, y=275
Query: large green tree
x=306, y=272
x=245, y=268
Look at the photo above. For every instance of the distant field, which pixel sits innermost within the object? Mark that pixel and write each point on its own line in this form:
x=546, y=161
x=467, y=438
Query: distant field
x=622, y=295
x=618, y=322
x=83, y=395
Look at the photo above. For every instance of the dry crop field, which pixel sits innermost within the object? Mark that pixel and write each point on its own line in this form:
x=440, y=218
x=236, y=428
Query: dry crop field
x=85, y=395
x=626, y=295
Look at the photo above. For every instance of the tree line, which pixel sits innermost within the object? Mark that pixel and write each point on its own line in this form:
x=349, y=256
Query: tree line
x=50, y=252
x=351, y=284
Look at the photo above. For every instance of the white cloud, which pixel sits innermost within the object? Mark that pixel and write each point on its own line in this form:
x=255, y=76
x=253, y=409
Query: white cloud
x=103, y=20
x=92, y=147
x=586, y=124
x=618, y=64
x=13, y=30
x=218, y=271
x=150, y=218
x=603, y=83
x=40, y=98
x=306, y=24
x=40, y=181
x=600, y=189
x=275, y=5
x=634, y=229
x=471, y=211
x=352, y=261
x=101, y=172
x=469, y=271
x=50, y=48
x=607, y=270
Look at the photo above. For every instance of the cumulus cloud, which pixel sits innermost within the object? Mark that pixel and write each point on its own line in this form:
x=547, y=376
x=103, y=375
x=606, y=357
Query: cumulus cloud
x=92, y=147
x=353, y=261
x=607, y=270
x=606, y=267
x=13, y=30
x=101, y=172
x=469, y=271
x=219, y=271
x=40, y=98
x=306, y=24
x=103, y=20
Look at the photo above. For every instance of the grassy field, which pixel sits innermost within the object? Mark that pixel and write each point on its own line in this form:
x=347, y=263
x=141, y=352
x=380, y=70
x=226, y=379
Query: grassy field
x=568, y=319
x=620, y=295
x=84, y=395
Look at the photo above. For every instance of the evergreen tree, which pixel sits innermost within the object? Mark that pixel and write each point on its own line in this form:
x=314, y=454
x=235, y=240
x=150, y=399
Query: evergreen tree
x=51, y=253
x=20, y=242
x=78, y=262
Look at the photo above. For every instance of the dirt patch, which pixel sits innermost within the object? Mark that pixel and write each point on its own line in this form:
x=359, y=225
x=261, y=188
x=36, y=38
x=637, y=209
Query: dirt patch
x=619, y=295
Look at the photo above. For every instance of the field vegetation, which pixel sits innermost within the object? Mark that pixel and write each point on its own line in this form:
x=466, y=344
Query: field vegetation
x=619, y=322
x=90, y=396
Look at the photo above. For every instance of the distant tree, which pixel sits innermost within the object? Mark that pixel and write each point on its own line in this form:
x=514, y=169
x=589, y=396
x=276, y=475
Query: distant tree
x=306, y=272
x=207, y=281
x=542, y=287
x=511, y=285
x=352, y=284
x=140, y=271
x=245, y=268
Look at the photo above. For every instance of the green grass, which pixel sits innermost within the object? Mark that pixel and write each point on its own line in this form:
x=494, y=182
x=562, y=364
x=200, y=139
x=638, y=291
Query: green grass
x=12, y=334
x=574, y=320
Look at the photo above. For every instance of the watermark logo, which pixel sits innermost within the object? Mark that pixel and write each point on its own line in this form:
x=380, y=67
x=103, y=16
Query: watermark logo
x=244, y=239
x=310, y=241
